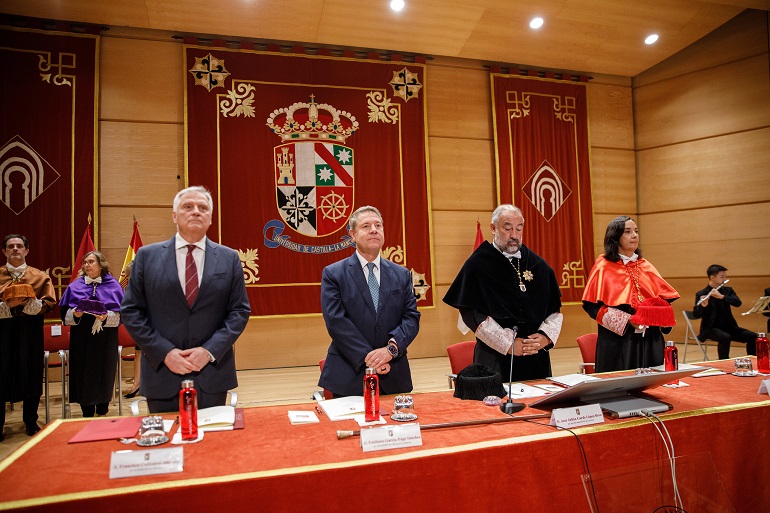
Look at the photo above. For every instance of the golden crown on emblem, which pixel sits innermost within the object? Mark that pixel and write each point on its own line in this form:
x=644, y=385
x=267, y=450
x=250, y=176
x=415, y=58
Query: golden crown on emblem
x=303, y=121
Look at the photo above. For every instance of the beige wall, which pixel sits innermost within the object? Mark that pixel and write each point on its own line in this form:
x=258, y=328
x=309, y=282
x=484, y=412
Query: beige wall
x=142, y=148
x=702, y=130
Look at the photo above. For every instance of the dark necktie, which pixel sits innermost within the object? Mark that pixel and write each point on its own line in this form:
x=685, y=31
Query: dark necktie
x=190, y=276
x=374, y=287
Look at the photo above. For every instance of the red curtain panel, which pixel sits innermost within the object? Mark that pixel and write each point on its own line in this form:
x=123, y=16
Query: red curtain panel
x=542, y=152
x=47, y=143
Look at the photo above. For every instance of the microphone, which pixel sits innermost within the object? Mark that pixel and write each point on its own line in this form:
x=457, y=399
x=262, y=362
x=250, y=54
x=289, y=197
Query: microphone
x=509, y=407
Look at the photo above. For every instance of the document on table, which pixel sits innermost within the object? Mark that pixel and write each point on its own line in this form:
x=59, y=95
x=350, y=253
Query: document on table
x=570, y=380
x=302, y=417
x=522, y=390
x=343, y=408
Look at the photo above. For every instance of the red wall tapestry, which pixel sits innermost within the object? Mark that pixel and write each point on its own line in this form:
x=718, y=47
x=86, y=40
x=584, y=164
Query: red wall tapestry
x=541, y=143
x=48, y=143
x=290, y=145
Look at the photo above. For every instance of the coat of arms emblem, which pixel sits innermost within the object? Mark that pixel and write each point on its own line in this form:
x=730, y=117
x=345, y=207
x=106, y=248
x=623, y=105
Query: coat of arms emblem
x=313, y=169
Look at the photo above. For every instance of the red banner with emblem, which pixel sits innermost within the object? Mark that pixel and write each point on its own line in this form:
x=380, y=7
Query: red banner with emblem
x=290, y=145
x=541, y=142
x=48, y=143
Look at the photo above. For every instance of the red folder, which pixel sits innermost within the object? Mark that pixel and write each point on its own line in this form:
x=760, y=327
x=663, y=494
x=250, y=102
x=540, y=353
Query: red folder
x=108, y=429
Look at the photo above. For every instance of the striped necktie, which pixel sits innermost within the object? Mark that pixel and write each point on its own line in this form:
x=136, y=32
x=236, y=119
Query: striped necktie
x=190, y=276
x=374, y=287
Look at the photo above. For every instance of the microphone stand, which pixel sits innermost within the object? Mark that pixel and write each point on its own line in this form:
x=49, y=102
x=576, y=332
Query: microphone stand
x=509, y=407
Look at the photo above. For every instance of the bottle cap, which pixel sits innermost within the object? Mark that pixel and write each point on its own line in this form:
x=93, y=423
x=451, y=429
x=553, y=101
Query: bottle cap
x=187, y=383
x=669, y=343
x=371, y=370
x=761, y=334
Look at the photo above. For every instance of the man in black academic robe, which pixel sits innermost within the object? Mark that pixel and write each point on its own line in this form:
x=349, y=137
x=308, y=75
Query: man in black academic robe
x=506, y=285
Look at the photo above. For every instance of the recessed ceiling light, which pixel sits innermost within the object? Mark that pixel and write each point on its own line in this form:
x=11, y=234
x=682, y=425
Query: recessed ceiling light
x=536, y=23
x=651, y=39
x=397, y=5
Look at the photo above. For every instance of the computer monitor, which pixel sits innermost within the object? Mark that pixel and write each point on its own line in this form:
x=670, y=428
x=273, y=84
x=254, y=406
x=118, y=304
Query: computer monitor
x=617, y=393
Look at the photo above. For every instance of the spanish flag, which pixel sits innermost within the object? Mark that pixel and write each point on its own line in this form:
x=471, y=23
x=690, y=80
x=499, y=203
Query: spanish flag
x=86, y=246
x=133, y=247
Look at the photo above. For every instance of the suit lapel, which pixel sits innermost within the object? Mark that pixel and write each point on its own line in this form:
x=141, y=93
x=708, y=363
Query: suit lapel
x=209, y=266
x=387, y=280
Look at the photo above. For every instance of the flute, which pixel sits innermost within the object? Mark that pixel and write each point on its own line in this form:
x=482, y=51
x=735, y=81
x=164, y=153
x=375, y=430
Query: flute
x=703, y=299
x=342, y=434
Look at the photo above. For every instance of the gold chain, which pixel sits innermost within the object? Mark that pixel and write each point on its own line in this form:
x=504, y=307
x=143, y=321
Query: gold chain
x=517, y=268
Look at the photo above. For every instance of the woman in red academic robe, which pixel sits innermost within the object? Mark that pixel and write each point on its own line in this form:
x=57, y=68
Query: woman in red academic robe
x=630, y=336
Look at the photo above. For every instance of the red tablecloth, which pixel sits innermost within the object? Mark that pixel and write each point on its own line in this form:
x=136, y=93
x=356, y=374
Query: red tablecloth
x=272, y=465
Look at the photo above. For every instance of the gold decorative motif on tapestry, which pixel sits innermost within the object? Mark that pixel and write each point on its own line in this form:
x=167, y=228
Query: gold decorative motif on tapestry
x=546, y=190
x=66, y=60
x=238, y=101
x=209, y=72
x=394, y=254
x=301, y=121
x=60, y=277
x=563, y=107
x=405, y=84
x=573, y=272
x=250, y=266
x=381, y=108
x=419, y=284
x=34, y=175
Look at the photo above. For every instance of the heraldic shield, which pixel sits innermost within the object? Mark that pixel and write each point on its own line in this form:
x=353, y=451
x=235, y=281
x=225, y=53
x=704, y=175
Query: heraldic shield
x=314, y=185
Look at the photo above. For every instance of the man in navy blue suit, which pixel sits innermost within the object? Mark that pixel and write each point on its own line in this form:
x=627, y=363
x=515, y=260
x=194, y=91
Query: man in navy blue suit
x=185, y=306
x=365, y=334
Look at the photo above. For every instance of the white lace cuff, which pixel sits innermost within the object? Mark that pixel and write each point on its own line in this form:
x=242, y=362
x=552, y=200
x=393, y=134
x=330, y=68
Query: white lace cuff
x=5, y=312
x=69, y=318
x=616, y=320
x=495, y=336
x=551, y=326
x=113, y=319
x=33, y=307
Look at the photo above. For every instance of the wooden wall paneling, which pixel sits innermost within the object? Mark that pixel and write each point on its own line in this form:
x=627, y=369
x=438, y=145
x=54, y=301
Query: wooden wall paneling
x=454, y=234
x=613, y=181
x=725, y=99
x=743, y=36
x=748, y=256
x=135, y=155
x=725, y=170
x=282, y=342
x=610, y=116
x=462, y=174
x=713, y=225
x=600, y=226
x=458, y=103
x=141, y=80
x=117, y=224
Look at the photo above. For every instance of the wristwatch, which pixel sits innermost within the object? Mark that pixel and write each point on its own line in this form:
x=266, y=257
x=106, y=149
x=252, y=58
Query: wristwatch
x=392, y=349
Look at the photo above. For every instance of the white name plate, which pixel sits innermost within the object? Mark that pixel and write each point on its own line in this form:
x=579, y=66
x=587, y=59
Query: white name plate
x=391, y=437
x=578, y=416
x=146, y=462
x=764, y=387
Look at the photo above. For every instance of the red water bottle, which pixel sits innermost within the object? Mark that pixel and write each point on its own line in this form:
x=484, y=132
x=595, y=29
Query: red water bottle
x=188, y=410
x=671, y=356
x=763, y=354
x=371, y=395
